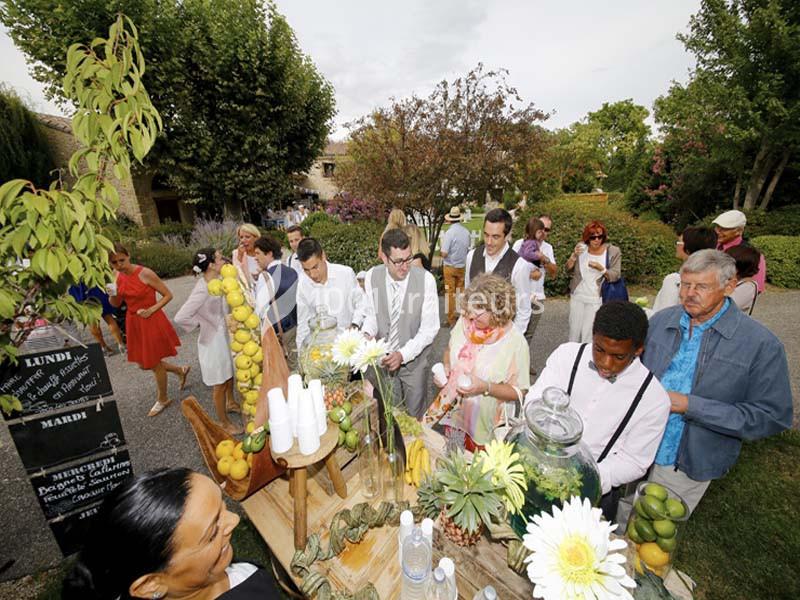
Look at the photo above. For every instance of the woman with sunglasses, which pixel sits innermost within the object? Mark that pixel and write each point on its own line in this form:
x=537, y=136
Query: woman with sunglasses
x=592, y=261
x=176, y=531
x=486, y=362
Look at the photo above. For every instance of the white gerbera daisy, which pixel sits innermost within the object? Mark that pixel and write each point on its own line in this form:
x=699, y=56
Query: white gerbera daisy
x=368, y=353
x=346, y=345
x=571, y=555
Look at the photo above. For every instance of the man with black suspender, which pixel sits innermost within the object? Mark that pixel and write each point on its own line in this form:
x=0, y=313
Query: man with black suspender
x=623, y=407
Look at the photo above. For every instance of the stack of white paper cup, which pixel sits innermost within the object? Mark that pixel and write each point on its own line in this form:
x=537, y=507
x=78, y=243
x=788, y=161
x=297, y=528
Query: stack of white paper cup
x=464, y=381
x=280, y=426
x=439, y=375
x=295, y=389
x=307, y=432
x=318, y=399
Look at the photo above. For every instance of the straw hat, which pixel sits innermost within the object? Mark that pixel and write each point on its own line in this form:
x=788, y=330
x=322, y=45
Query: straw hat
x=454, y=216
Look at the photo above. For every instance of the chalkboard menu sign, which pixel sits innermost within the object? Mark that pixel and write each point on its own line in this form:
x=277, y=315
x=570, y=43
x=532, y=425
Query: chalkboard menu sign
x=71, y=531
x=57, y=437
x=65, y=488
x=45, y=381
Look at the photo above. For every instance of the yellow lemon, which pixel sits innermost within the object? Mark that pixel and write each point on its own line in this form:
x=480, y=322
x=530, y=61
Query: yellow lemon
x=231, y=284
x=224, y=465
x=242, y=336
x=252, y=321
x=225, y=448
x=240, y=313
x=239, y=469
x=653, y=556
x=255, y=369
x=215, y=287
x=243, y=361
x=249, y=427
x=228, y=271
x=236, y=346
x=252, y=408
x=251, y=397
x=250, y=460
x=244, y=386
x=250, y=348
x=257, y=380
x=238, y=453
x=242, y=375
x=258, y=357
x=234, y=299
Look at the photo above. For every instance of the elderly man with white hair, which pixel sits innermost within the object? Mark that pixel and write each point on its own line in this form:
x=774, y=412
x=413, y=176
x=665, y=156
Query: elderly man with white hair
x=726, y=376
x=729, y=227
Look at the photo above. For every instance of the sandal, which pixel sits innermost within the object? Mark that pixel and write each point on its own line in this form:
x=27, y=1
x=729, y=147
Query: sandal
x=158, y=407
x=184, y=373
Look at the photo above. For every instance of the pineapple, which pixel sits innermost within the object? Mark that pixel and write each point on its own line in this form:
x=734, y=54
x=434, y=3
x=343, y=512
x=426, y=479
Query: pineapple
x=469, y=498
x=428, y=496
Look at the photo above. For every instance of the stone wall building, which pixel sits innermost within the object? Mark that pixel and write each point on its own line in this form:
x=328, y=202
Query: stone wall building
x=143, y=198
x=320, y=178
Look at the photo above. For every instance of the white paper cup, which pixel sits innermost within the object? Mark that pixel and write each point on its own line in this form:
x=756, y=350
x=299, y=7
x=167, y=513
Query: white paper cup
x=293, y=401
x=111, y=289
x=305, y=410
x=278, y=409
x=318, y=402
x=439, y=375
x=308, y=439
x=280, y=436
x=464, y=381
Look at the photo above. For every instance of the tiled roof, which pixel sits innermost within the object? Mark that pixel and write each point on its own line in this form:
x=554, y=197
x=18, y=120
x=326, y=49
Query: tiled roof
x=54, y=122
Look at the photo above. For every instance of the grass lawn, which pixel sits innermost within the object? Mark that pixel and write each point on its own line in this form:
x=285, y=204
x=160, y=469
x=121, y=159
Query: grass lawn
x=744, y=539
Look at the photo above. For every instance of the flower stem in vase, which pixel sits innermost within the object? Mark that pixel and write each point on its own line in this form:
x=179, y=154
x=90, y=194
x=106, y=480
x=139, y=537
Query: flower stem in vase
x=394, y=477
x=370, y=459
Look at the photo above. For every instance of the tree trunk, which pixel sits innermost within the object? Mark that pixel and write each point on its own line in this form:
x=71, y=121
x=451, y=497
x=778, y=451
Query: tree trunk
x=774, y=181
x=761, y=168
x=737, y=193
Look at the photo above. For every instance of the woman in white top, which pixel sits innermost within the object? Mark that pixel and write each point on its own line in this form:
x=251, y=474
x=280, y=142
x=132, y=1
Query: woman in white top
x=747, y=260
x=245, y=255
x=691, y=240
x=207, y=312
x=592, y=261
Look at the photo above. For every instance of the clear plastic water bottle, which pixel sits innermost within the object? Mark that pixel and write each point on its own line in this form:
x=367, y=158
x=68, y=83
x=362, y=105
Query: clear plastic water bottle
x=487, y=593
x=438, y=586
x=416, y=566
x=447, y=565
x=406, y=526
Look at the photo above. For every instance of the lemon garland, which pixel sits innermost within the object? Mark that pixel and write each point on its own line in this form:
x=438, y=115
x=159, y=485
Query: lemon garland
x=347, y=525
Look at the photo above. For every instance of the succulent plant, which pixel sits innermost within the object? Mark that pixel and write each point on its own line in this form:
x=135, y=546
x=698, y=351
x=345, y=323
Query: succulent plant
x=469, y=496
x=499, y=459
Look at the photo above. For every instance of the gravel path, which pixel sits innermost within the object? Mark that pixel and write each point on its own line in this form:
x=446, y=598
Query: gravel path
x=168, y=440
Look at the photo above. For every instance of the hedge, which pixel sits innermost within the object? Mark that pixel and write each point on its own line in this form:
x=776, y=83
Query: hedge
x=782, y=253
x=780, y=221
x=648, y=248
x=166, y=260
x=353, y=244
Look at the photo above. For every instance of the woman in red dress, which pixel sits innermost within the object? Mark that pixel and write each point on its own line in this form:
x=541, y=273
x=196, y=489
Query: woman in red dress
x=151, y=337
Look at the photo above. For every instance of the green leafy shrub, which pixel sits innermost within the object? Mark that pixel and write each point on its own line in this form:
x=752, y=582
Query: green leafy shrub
x=277, y=234
x=782, y=253
x=24, y=147
x=166, y=260
x=354, y=245
x=648, y=248
x=780, y=221
x=314, y=218
x=170, y=229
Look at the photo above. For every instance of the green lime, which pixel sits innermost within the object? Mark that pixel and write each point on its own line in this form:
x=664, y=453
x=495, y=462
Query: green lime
x=336, y=414
x=654, y=507
x=632, y=533
x=645, y=530
x=345, y=424
x=640, y=509
x=667, y=544
x=247, y=444
x=675, y=508
x=342, y=438
x=656, y=490
x=664, y=528
x=347, y=407
x=351, y=439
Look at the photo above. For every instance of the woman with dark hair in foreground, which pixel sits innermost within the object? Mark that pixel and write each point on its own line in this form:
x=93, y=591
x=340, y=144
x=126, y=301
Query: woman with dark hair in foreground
x=165, y=534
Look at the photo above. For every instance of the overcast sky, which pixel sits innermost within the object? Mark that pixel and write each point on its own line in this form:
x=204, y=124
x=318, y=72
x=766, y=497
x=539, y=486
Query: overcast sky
x=566, y=56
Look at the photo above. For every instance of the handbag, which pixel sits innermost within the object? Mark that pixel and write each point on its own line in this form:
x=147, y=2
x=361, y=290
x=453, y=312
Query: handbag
x=501, y=431
x=611, y=291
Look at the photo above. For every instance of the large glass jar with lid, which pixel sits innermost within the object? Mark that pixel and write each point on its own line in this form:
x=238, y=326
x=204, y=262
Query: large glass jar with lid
x=557, y=464
x=316, y=355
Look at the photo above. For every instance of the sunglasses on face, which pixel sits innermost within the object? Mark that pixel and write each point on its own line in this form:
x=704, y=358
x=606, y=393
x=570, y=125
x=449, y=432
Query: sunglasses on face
x=595, y=237
x=546, y=229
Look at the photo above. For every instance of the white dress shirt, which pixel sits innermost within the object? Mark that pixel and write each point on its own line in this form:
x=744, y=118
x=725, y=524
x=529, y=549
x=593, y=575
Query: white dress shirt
x=340, y=295
x=520, y=279
x=295, y=263
x=537, y=287
x=429, y=322
x=602, y=406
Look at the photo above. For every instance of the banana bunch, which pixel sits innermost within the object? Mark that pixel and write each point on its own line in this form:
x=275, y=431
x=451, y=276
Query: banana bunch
x=418, y=462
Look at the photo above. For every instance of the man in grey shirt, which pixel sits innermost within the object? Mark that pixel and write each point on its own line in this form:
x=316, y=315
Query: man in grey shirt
x=454, y=249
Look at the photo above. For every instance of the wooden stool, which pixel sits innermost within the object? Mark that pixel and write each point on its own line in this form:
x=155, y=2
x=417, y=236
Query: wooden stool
x=298, y=464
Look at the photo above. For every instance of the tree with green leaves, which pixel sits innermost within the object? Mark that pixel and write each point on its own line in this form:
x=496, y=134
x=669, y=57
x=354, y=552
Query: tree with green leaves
x=243, y=107
x=424, y=155
x=23, y=148
x=51, y=238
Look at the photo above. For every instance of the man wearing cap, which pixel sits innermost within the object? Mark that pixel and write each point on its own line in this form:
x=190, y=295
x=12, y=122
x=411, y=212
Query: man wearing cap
x=455, y=245
x=730, y=230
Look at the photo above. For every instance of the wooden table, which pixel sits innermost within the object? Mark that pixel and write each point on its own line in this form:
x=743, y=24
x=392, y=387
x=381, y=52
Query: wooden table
x=375, y=558
x=297, y=465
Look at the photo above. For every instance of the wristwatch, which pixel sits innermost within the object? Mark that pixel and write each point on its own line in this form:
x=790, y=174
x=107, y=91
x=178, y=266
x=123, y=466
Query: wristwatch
x=488, y=391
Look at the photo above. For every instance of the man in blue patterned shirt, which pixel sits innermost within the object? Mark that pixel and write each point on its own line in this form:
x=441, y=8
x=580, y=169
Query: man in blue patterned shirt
x=726, y=376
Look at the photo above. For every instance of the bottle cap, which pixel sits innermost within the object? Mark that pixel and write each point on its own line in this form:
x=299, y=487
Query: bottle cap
x=439, y=575
x=426, y=526
x=406, y=518
x=489, y=593
x=447, y=565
